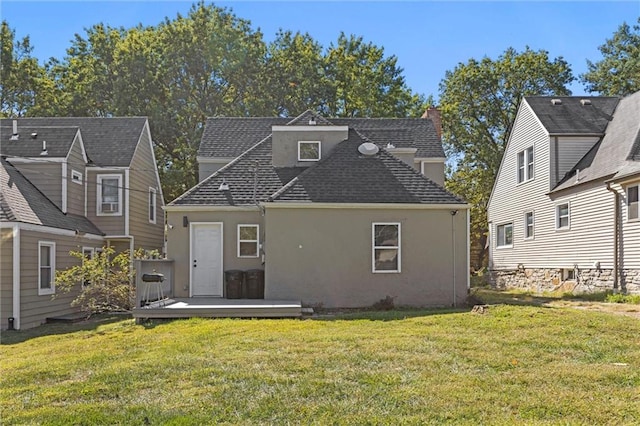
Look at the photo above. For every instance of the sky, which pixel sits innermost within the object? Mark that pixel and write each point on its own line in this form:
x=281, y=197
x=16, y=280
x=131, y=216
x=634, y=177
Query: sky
x=429, y=38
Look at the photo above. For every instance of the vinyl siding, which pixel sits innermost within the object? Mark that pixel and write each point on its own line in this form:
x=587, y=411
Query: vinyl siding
x=142, y=176
x=75, y=191
x=590, y=237
x=46, y=176
x=630, y=233
x=110, y=225
x=34, y=308
x=567, y=151
x=6, y=276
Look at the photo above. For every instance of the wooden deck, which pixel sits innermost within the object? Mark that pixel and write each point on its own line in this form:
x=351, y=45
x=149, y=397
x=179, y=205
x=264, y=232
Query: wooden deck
x=220, y=308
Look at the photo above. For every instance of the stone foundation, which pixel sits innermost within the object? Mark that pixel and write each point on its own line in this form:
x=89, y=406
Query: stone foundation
x=549, y=280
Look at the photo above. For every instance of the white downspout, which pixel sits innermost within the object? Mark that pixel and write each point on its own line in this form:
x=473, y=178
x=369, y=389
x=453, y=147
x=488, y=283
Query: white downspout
x=126, y=206
x=64, y=186
x=16, y=277
x=453, y=249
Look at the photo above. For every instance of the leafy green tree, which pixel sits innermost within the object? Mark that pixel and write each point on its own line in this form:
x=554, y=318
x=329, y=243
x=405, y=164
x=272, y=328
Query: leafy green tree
x=479, y=100
x=105, y=283
x=25, y=88
x=618, y=72
x=365, y=83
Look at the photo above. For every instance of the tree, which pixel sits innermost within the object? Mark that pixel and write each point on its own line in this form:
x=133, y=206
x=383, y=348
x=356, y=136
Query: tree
x=105, y=282
x=24, y=86
x=365, y=83
x=618, y=73
x=479, y=101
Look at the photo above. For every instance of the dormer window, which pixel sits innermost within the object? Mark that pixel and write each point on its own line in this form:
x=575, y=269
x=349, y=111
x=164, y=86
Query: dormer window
x=309, y=151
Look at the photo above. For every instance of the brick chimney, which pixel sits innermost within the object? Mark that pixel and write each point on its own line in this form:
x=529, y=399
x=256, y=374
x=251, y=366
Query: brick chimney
x=433, y=114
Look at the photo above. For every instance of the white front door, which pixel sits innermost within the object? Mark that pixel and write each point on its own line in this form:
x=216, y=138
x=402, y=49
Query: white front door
x=206, y=259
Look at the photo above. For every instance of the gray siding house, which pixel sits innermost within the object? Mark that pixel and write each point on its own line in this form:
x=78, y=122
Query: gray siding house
x=337, y=212
x=70, y=184
x=563, y=214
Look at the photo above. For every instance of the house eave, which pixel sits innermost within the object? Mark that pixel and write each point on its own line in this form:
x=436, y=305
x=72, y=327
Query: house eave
x=210, y=208
x=364, y=206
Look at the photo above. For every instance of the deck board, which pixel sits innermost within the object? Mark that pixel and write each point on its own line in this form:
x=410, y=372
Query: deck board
x=220, y=308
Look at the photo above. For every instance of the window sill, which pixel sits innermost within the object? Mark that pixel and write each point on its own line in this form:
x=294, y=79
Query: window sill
x=46, y=292
x=504, y=247
x=385, y=272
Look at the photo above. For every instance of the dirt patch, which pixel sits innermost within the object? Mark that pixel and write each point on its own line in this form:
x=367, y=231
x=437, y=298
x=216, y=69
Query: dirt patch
x=612, y=308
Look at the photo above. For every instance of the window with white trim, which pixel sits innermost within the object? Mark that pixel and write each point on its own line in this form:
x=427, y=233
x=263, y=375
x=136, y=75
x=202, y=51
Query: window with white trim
x=632, y=202
x=528, y=225
x=248, y=240
x=76, y=177
x=309, y=150
x=386, y=247
x=525, y=165
x=563, y=218
x=109, y=195
x=504, y=235
x=152, y=205
x=46, y=267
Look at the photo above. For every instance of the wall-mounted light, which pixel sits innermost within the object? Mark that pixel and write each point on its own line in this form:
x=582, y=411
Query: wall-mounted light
x=185, y=221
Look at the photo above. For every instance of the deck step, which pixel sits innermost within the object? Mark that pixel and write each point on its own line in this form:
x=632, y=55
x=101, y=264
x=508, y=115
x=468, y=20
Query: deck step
x=221, y=308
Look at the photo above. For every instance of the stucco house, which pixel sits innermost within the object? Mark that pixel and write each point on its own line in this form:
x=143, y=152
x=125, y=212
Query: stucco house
x=70, y=184
x=337, y=212
x=563, y=214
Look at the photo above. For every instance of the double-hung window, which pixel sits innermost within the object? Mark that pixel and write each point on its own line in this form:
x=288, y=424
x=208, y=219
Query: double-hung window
x=109, y=195
x=152, y=205
x=525, y=165
x=386, y=247
x=563, y=218
x=504, y=235
x=309, y=151
x=632, y=202
x=248, y=240
x=528, y=225
x=46, y=267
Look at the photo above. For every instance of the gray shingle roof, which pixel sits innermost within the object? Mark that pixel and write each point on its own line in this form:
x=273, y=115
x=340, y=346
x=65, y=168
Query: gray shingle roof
x=617, y=152
x=226, y=137
x=346, y=176
x=108, y=141
x=20, y=201
x=241, y=178
x=30, y=141
x=570, y=116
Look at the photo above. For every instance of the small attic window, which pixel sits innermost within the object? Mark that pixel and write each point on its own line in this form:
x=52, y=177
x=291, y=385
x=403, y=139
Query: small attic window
x=309, y=150
x=556, y=101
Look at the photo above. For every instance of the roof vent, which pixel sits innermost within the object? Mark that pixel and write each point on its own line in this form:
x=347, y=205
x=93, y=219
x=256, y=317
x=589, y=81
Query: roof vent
x=556, y=101
x=34, y=135
x=224, y=186
x=368, y=149
x=312, y=121
x=390, y=145
x=585, y=102
x=44, y=148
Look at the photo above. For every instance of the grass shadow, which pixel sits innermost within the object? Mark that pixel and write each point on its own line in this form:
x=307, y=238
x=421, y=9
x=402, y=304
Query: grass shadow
x=19, y=336
x=397, y=314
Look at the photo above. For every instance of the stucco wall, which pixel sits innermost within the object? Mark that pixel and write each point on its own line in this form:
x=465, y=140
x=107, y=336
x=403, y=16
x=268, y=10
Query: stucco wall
x=324, y=257
x=178, y=245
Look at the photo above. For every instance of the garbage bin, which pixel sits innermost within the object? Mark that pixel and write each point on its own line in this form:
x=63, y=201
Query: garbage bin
x=233, y=280
x=255, y=283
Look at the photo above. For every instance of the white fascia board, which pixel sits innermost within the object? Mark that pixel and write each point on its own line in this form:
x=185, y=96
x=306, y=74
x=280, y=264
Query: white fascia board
x=210, y=208
x=49, y=230
x=364, y=206
x=78, y=138
x=431, y=159
x=100, y=169
x=214, y=160
x=315, y=128
x=155, y=163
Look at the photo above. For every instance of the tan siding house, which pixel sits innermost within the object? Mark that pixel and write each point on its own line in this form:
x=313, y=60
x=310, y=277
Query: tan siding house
x=70, y=184
x=567, y=226
x=333, y=212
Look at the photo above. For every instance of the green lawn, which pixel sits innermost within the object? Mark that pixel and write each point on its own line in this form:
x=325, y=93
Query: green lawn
x=512, y=364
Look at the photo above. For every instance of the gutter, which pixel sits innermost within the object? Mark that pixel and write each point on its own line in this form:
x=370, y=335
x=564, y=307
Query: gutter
x=616, y=234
